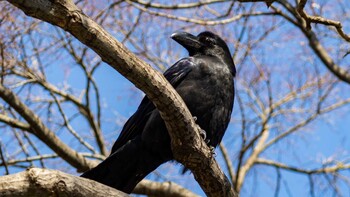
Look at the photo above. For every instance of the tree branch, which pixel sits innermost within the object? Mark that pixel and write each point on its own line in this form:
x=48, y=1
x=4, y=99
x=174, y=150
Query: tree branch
x=14, y=123
x=339, y=166
x=322, y=53
x=228, y=161
x=199, y=21
x=149, y=4
x=241, y=174
x=44, y=182
x=168, y=189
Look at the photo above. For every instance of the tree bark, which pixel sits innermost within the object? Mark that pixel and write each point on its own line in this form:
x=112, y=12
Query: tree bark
x=44, y=182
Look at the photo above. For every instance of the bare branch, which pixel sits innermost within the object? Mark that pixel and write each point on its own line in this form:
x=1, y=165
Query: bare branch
x=85, y=108
x=43, y=133
x=241, y=174
x=3, y=160
x=301, y=124
x=228, y=161
x=191, y=5
x=321, y=20
x=177, y=6
x=69, y=127
x=14, y=123
x=339, y=166
x=199, y=21
x=47, y=156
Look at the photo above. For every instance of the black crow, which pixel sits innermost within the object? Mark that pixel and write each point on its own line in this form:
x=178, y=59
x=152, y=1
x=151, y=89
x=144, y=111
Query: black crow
x=204, y=80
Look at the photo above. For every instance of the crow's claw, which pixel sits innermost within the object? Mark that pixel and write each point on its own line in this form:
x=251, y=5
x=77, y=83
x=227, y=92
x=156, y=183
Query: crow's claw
x=207, y=141
x=203, y=134
x=212, y=150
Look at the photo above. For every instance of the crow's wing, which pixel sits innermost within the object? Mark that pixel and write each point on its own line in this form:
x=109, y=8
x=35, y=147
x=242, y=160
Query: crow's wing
x=134, y=126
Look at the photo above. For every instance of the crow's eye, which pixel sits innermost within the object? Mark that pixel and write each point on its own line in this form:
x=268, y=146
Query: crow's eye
x=209, y=40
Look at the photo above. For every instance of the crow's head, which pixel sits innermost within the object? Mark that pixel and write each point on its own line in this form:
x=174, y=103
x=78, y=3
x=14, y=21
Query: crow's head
x=205, y=43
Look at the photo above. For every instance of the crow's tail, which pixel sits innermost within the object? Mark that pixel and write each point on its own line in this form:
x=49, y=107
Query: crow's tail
x=126, y=167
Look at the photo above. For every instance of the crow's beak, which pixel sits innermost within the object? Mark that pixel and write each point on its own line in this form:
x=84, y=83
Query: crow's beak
x=189, y=41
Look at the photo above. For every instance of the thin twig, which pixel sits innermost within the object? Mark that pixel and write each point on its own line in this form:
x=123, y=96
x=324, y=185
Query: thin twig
x=3, y=160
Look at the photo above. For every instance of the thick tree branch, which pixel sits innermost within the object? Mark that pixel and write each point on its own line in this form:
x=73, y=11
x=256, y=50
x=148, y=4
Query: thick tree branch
x=44, y=182
x=187, y=145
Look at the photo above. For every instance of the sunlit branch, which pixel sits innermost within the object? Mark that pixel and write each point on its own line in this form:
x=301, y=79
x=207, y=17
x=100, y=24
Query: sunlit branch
x=52, y=182
x=14, y=122
x=170, y=189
